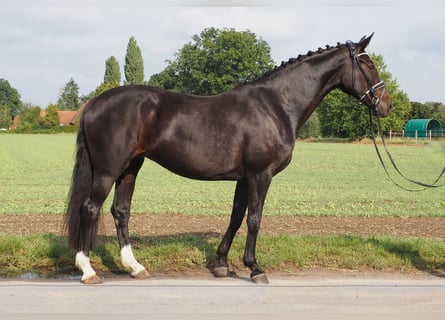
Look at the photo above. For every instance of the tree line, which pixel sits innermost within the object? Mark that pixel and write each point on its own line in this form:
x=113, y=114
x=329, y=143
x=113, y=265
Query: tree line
x=214, y=61
x=31, y=119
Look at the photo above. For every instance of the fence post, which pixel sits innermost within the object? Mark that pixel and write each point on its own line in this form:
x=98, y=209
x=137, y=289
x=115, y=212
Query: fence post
x=416, y=135
x=390, y=134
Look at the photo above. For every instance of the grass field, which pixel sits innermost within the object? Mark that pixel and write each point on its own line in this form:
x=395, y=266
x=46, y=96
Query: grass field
x=329, y=179
x=323, y=179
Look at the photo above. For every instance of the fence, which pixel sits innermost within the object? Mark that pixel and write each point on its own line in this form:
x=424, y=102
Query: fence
x=416, y=134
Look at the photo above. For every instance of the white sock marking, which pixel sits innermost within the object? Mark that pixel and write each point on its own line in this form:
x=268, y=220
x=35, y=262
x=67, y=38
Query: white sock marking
x=83, y=263
x=129, y=261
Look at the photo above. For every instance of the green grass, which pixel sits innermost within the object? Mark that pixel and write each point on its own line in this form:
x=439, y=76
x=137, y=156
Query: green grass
x=48, y=255
x=330, y=179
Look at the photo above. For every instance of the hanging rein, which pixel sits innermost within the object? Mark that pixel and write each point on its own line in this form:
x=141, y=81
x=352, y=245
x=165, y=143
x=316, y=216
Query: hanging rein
x=375, y=99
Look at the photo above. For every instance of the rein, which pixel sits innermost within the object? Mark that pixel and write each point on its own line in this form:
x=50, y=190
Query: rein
x=393, y=163
x=375, y=100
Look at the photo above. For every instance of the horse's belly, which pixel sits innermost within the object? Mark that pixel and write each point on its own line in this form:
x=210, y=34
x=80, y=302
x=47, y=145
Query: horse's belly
x=200, y=166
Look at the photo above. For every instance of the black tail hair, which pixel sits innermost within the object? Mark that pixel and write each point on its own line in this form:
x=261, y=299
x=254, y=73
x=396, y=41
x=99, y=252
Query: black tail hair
x=81, y=182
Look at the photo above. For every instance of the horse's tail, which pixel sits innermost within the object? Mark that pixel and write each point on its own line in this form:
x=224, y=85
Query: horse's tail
x=81, y=183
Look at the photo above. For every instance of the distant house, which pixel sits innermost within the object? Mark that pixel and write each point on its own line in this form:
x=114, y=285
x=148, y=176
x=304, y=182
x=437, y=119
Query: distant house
x=66, y=118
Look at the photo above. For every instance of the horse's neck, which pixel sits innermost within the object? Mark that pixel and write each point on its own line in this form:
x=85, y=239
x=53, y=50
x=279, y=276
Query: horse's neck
x=303, y=85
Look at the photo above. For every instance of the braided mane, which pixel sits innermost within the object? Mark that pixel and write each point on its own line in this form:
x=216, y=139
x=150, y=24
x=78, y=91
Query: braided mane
x=310, y=53
x=291, y=61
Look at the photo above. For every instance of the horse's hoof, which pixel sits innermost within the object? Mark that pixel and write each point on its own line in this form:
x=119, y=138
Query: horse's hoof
x=221, y=272
x=141, y=275
x=92, y=280
x=260, y=278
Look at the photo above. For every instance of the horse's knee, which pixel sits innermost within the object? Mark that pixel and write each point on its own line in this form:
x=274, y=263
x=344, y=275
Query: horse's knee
x=120, y=211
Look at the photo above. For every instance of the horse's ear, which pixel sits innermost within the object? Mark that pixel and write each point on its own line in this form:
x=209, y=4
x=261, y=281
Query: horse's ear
x=363, y=43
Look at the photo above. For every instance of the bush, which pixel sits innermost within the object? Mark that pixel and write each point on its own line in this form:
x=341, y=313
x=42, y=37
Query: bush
x=311, y=129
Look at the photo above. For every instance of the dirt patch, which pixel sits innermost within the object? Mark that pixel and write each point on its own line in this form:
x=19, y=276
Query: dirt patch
x=172, y=224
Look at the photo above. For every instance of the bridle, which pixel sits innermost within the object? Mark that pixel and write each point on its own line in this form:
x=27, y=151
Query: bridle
x=374, y=102
x=371, y=92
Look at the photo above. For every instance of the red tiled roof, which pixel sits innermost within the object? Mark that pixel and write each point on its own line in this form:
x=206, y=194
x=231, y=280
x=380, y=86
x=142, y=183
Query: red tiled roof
x=65, y=118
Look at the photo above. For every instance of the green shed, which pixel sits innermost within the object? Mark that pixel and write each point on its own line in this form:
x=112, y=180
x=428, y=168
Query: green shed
x=423, y=128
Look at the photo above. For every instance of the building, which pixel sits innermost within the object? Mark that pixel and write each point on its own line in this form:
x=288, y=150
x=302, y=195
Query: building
x=423, y=128
x=66, y=118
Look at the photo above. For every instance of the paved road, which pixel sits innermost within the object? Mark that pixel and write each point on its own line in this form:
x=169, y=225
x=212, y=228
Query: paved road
x=305, y=295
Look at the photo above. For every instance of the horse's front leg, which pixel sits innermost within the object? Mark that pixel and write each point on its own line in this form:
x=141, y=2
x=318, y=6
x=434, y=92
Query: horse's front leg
x=258, y=186
x=121, y=213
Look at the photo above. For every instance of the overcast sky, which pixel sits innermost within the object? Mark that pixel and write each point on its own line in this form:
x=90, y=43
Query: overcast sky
x=45, y=43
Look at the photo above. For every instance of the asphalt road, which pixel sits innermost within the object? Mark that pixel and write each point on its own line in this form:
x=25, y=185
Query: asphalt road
x=363, y=296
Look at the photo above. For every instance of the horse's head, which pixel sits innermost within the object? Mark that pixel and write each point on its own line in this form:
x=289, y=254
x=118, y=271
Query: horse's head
x=363, y=81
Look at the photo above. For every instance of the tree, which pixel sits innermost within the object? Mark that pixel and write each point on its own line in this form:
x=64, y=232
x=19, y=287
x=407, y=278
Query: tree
x=27, y=105
x=134, y=64
x=428, y=110
x=440, y=115
x=433, y=106
x=311, y=128
x=112, y=77
x=166, y=79
x=419, y=111
x=51, y=118
x=104, y=87
x=69, y=96
x=112, y=71
x=216, y=61
x=401, y=105
x=10, y=97
x=342, y=116
x=5, y=116
x=30, y=120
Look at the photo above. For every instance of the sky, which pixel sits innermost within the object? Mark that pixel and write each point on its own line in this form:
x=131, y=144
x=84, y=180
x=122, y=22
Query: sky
x=45, y=43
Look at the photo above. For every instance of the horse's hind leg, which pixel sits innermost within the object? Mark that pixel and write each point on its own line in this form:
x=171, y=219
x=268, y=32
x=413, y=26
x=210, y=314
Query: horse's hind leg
x=221, y=268
x=121, y=213
x=89, y=215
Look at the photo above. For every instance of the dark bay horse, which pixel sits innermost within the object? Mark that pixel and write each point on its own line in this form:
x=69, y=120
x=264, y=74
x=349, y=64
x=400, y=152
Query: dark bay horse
x=246, y=134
